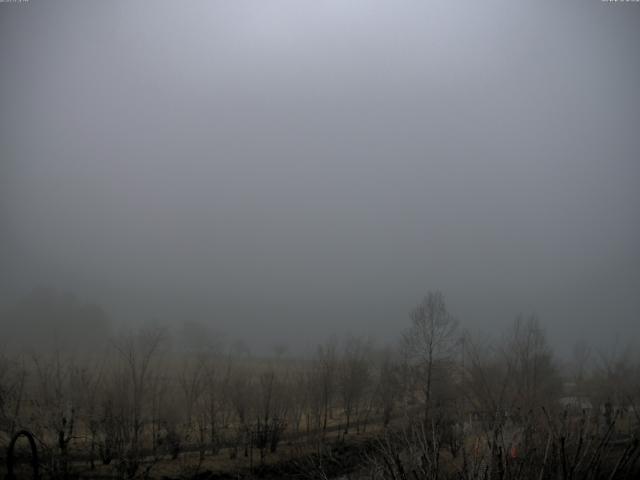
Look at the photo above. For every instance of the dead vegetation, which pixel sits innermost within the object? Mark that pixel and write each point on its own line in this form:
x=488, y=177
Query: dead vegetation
x=442, y=405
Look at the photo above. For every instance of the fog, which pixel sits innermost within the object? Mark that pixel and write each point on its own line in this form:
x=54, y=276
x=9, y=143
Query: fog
x=285, y=170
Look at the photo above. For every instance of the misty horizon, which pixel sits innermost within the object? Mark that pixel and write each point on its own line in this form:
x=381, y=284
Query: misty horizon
x=285, y=171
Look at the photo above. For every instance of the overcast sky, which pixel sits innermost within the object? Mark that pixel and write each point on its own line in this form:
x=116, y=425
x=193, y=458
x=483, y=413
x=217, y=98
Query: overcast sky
x=283, y=170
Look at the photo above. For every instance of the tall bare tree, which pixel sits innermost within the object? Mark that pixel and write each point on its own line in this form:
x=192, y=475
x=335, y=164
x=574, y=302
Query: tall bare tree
x=535, y=378
x=139, y=353
x=13, y=375
x=430, y=342
x=354, y=377
x=326, y=366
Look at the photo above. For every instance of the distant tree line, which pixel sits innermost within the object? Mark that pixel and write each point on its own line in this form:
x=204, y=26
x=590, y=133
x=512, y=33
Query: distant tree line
x=47, y=319
x=440, y=403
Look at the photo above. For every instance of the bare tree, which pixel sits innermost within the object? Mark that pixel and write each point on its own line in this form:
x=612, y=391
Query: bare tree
x=90, y=386
x=56, y=401
x=430, y=341
x=326, y=366
x=191, y=379
x=299, y=397
x=535, y=378
x=138, y=353
x=387, y=390
x=216, y=400
x=271, y=411
x=13, y=375
x=615, y=384
x=354, y=378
